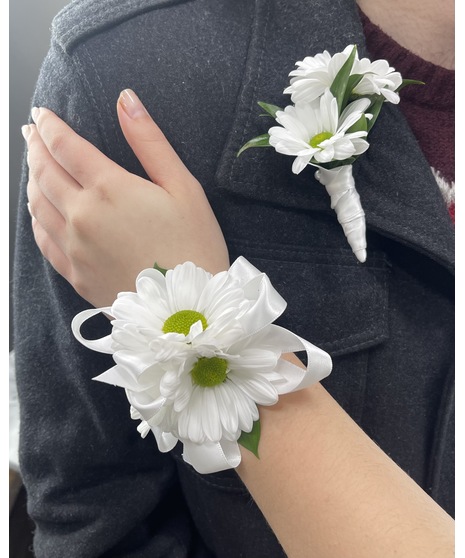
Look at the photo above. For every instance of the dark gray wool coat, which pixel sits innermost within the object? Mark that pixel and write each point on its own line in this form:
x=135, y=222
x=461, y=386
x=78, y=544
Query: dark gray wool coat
x=95, y=488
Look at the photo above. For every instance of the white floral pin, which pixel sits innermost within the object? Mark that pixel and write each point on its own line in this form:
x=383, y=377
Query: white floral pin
x=336, y=101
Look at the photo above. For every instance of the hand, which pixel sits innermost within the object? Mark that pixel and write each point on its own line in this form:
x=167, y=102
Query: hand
x=99, y=225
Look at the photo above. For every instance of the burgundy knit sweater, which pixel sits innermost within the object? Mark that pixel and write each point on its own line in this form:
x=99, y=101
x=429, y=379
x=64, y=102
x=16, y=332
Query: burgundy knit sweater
x=429, y=108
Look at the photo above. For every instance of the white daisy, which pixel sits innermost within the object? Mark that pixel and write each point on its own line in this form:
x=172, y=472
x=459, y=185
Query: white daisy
x=314, y=133
x=315, y=74
x=197, y=353
x=378, y=79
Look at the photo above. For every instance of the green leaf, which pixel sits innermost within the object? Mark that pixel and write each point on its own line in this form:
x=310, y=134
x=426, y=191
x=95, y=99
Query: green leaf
x=375, y=109
x=259, y=141
x=249, y=440
x=406, y=82
x=270, y=110
x=360, y=126
x=352, y=83
x=336, y=164
x=377, y=101
x=339, y=86
x=160, y=269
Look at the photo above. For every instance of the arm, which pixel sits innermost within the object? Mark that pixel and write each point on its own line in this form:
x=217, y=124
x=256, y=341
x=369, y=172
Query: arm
x=322, y=484
x=328, y=491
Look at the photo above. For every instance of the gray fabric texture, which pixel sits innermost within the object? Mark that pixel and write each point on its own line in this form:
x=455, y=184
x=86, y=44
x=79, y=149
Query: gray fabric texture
x=95, y=488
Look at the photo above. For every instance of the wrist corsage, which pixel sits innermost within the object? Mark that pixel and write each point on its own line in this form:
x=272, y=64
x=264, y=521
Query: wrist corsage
x=336, y=101
x=198, y=353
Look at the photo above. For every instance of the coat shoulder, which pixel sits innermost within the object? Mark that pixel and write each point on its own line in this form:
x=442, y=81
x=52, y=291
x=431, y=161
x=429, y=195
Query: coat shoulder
x=81, y=19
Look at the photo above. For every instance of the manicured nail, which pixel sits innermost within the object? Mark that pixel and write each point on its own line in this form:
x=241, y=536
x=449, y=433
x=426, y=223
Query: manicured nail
x=26, y=131
x=131, y=104
x=35, y=113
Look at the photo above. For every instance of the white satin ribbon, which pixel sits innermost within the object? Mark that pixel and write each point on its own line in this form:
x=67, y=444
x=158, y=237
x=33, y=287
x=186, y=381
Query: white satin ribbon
x=212, y=457
x=269, y=304
x=103, y=345
x=345, y=201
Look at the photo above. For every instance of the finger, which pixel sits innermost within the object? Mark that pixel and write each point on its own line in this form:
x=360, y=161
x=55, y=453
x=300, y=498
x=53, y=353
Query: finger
x=50, y=250
x=50, y=219
x=54, y=182
x=149, y=144
x=78, y=157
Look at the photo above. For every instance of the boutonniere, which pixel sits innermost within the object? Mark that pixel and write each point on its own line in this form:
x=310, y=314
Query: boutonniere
x=335, y=103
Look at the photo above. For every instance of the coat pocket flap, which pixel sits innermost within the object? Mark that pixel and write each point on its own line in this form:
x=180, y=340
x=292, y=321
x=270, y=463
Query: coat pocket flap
x=332, y=301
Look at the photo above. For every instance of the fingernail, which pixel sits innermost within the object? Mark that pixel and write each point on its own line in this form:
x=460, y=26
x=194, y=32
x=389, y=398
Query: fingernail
x=131, y=104
x=26, y=131
x=35, y=114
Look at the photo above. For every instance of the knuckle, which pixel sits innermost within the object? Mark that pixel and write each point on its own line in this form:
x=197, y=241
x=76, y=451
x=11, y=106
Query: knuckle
x=81, y=217
x=77, y=216
x=36, y=167
x=150, y=134
x=57, y=143
x=101, y=189
x=77, y=221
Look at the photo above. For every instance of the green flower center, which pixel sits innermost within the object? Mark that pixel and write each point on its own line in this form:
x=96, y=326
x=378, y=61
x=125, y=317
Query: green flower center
x=181, y=321
x=316, y=140
x=209, y=372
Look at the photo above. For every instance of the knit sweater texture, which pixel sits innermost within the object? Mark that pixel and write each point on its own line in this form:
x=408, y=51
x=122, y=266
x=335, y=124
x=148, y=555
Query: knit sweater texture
x=429, y=109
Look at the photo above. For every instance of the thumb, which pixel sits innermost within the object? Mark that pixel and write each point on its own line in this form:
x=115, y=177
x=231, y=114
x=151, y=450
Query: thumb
x=149, y=144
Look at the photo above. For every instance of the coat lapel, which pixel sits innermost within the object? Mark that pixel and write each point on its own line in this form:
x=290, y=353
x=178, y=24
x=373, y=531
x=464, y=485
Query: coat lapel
x=398, y=191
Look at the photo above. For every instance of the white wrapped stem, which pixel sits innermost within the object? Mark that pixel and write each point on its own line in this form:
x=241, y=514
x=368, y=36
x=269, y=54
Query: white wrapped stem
x=345, y=201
